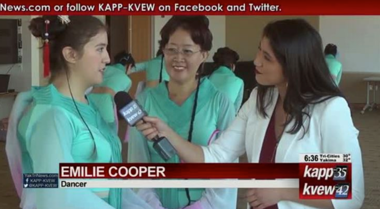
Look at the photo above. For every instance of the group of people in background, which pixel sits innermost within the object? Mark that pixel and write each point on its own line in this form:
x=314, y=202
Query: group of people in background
x=296, y=108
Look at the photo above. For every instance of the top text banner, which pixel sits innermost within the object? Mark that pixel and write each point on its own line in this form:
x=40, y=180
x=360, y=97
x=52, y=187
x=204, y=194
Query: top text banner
x=175, y=7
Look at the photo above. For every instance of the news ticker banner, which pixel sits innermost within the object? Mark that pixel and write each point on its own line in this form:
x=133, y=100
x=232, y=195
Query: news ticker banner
x=187, y=7
x=318, y=176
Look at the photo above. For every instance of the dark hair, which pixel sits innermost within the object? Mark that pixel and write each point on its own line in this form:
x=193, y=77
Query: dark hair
x=197, y=26
x=225, y=57
x=159, y=52
x=124, y=58
x=298, y=48
x=331, y=49
x=76, y=34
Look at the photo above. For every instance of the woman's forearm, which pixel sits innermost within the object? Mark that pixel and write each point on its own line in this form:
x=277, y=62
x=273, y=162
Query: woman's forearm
x=188, y=152
x=293, y=195
x=139, y=67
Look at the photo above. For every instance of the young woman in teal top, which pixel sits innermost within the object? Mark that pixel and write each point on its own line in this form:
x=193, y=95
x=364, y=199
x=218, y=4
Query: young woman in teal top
x=155, y=70
x=223, y=77
x=61, y=124
x=334, y=65
x=191, y=105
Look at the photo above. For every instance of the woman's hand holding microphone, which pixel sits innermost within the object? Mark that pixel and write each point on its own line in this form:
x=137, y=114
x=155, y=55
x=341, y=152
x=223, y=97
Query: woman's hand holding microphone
x=152, y=126
x=188, y=152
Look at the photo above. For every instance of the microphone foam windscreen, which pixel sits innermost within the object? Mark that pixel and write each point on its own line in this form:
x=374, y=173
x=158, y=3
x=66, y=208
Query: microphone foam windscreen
x=122, y=98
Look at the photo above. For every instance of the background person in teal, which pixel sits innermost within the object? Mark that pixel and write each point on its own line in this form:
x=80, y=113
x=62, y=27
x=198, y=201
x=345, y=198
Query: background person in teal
x=61, y=124
x=115, y=79
x=223, y=76
x=331, y=51
x=191, y=105
x=155, y=69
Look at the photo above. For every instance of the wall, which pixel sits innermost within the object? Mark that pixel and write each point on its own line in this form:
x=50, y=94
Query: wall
x=357, y=38
x=118, y=35
x=101, y=17
x=217, y=27
x=21, y=73
x=243, y=33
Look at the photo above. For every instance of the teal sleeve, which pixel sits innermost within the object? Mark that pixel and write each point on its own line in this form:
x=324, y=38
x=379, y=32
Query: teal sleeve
x=105, y=106
x=239, y=98
x=154, y=69
x=116, y=79
x=226, y=113
x=138, y=151
x=140, y=67
x=119, y=83
x=50, y=144
x=335, y=69
x=338, y=73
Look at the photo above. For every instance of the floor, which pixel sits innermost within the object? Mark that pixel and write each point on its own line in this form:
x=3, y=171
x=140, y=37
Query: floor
x=368, y=124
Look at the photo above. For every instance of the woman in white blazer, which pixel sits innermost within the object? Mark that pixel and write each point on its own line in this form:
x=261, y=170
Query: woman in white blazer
x=296, y=109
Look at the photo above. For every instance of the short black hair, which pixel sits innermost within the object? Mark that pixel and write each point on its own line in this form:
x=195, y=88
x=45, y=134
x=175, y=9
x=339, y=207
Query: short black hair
x=124, y=58
x=331, y=49
x=197, y=26
x=225, y=57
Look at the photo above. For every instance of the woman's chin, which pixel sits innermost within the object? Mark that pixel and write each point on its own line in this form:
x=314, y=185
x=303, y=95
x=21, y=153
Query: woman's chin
x=263, y=82
x=179, y=77
x=97, y=80
x=183, y=79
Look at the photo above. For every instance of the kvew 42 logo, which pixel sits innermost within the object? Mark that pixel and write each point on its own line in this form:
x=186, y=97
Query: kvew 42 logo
x=337, y=191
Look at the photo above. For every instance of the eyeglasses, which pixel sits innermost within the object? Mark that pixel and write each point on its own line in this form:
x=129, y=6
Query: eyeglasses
x=175, y=51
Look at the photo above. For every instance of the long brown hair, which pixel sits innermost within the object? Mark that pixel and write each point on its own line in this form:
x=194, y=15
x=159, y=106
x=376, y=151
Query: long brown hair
x=298, y=48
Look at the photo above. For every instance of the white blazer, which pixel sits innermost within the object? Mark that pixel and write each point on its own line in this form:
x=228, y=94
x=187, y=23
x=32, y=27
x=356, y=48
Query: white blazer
x=331, y=130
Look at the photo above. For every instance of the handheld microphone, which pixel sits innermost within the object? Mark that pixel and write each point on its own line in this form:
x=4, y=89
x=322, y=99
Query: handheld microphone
x=132, y=112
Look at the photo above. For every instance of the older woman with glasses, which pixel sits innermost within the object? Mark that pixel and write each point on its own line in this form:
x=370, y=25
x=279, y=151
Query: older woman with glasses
x=191, y=105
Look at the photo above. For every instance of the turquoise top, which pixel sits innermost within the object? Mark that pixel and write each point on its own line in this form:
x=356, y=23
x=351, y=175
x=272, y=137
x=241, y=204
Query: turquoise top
x=116, y=79
x=227, y=82
x=335, y=68
x=152, y=68
x=214, y=112
x=52, y=132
